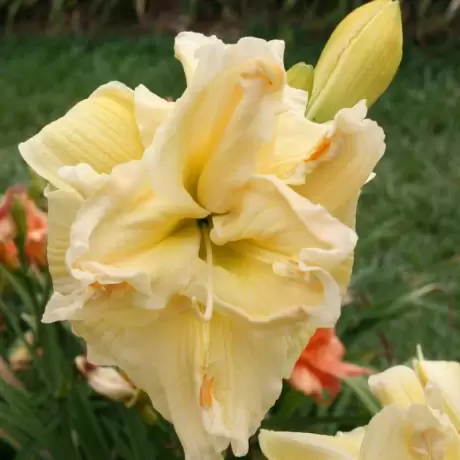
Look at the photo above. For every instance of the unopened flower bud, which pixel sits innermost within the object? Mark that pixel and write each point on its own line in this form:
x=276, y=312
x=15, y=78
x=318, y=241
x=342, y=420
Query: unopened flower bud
x=359, y=61
x=19, y=357
x=105, y=381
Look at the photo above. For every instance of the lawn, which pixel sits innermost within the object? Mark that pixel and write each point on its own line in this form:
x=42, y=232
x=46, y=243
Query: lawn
x=409, y=219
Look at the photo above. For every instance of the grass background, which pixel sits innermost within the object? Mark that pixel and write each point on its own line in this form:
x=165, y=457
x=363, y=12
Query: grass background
x=409, y=219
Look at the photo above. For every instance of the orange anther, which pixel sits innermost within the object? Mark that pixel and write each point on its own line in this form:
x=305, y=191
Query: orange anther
x=111, y=288
x=321, y=150
x=206, y=392
x=272, y=74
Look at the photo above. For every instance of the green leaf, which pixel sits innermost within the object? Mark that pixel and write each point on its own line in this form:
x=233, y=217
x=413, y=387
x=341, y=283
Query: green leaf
x=19, y=217
x=14, y=323
x=360, y=388
x=19, y=287
x=87, y=426
x=301, y=76
x=290, y=404
x=137, y=433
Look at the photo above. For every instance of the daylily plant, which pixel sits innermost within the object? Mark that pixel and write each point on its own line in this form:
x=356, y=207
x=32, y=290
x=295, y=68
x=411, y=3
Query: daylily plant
x=419, y=420
x=198, y=244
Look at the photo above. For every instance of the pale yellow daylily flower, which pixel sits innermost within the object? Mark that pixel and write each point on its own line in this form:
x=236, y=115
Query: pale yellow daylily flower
x=416, y=432
x=413, y=416
x=198, y=244
x=401, y=385
x=409, y=433
x=412, y=425
x=446, y=376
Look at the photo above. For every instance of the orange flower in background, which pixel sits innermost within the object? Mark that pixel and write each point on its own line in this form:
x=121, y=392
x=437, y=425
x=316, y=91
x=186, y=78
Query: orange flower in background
x=37, y=230
x=36, y=227
x=8, y=250
x=320, y=366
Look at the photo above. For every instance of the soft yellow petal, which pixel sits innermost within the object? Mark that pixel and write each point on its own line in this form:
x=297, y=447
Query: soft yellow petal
x=91, y=303
x=386, y=437
x=397, y=385
x=124, y=219
x=63, y=206
x=244, y=283
x=62, y=307
x=347, y=215
x=151, y=111
x=163, y=355
x=357, y=144
x=214, y=380
x=434, y=434
x=100, y=131
x=269, y=215
x=120, y=238
x=295, y=100
x=295, y=140
x=446, y=376
x=83, y=179
x=186, y=46
x=412, y=433
x=247, y=366
x=306, y=446
x=158, y=273
x=210, y=143
x=347, y=212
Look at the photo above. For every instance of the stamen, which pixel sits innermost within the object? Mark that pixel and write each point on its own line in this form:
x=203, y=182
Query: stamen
x=206, y=392
x=111, y=288
x=272, y=74
x=210, y=291
x=207, y=382
x=320, y=150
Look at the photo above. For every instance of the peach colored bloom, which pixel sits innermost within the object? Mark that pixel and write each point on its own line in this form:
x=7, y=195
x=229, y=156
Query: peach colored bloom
x=9, y=254
x=37, y=229
x=8, y=250
x=320, y=366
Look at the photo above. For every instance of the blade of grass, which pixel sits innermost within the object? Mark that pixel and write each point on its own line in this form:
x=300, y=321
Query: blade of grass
x=360, y=388
x=88, y=427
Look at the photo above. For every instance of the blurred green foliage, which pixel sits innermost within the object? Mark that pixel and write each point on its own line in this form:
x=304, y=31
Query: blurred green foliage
x=424, y=18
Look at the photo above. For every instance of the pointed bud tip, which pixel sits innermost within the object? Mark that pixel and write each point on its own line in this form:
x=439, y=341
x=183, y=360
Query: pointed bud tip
x=359, y=61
